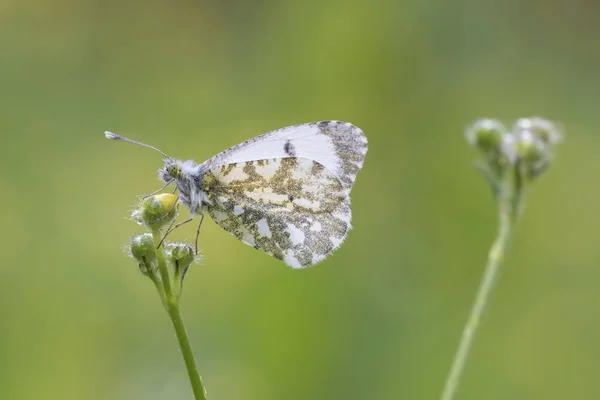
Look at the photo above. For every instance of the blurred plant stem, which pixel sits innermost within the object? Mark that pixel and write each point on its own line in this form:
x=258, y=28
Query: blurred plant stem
x=170, y=300
x=514, y=159
x=509, y=197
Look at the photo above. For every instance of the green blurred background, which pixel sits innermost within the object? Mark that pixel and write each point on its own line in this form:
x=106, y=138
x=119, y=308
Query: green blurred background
x=382, y=317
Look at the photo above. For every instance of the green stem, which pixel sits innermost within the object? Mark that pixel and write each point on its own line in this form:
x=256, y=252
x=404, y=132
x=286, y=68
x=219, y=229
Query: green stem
x=171, y=304
x=186, y=350
x=508, y=208
x=159, y=287
x=162, y=266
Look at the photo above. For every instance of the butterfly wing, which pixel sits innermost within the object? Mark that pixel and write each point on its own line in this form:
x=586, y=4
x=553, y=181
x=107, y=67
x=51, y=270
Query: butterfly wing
x=287, y=192
x=338, y=146
x=292, y=208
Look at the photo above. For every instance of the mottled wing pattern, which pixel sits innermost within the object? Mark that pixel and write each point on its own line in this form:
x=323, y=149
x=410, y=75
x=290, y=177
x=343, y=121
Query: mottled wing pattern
x=292, y=208
x=287, y=192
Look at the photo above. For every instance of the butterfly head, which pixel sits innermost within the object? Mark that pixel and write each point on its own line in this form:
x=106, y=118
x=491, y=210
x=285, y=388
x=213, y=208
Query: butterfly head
x=186, y=176
x=172, y=170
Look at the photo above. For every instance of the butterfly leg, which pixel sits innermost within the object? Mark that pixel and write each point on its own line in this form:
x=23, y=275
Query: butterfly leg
x=172, y=228
x=157, y=191
x=198, y=231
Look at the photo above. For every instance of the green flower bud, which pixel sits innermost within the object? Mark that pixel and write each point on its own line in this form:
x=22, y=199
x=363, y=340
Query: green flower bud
x=534, y=153
x=183, y=254
x=180, y=256
x=528, y=148
x=143, y=250
x=531, y=149
x=486, y=135
x=156, y=211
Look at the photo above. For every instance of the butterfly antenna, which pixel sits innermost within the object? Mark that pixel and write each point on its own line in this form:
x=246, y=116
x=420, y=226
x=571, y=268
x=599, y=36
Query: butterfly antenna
x=114, y=136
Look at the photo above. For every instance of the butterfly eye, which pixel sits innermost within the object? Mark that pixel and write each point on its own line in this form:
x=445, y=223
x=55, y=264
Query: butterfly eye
x=174, y=171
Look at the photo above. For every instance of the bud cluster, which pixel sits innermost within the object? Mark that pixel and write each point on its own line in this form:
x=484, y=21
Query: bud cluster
x=528, y=146
x=154, y=213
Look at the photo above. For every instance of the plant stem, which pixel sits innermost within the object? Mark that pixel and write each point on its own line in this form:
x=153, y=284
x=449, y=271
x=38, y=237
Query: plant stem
x=162, y=266
x=508, y=209
x=186, y=350
x=171, y=303
x=159, y=287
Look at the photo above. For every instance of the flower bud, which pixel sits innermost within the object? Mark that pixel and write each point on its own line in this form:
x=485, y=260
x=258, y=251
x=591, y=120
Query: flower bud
x=534, y=153
x=486, y=135
x=142, y=249
x=156, y=211
x=531, y=149
x=542, y=129
x=180, y=256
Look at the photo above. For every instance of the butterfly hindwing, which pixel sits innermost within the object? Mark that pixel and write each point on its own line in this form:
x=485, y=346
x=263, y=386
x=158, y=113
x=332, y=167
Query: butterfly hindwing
x=292, y=208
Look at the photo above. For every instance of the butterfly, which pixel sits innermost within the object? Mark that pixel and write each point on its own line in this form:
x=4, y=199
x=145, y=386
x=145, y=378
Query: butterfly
x=286, y=192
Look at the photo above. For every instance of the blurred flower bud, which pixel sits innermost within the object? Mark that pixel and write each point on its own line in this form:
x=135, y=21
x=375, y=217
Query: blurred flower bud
x=156, y=211
x=535, y=154
x=542, y=129
x=486, y=135
x=528, y=148
x=531, y=149
x=142, y=249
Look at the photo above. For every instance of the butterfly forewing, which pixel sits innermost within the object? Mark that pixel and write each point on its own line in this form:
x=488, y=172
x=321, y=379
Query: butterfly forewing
x=292, y=208
x=338, y=146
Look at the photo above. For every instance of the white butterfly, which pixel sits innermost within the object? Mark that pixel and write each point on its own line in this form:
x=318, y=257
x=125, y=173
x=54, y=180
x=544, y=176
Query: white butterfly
x=285, y=192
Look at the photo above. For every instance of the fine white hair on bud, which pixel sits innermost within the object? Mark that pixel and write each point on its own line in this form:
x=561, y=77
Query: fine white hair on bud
x=179, y=257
